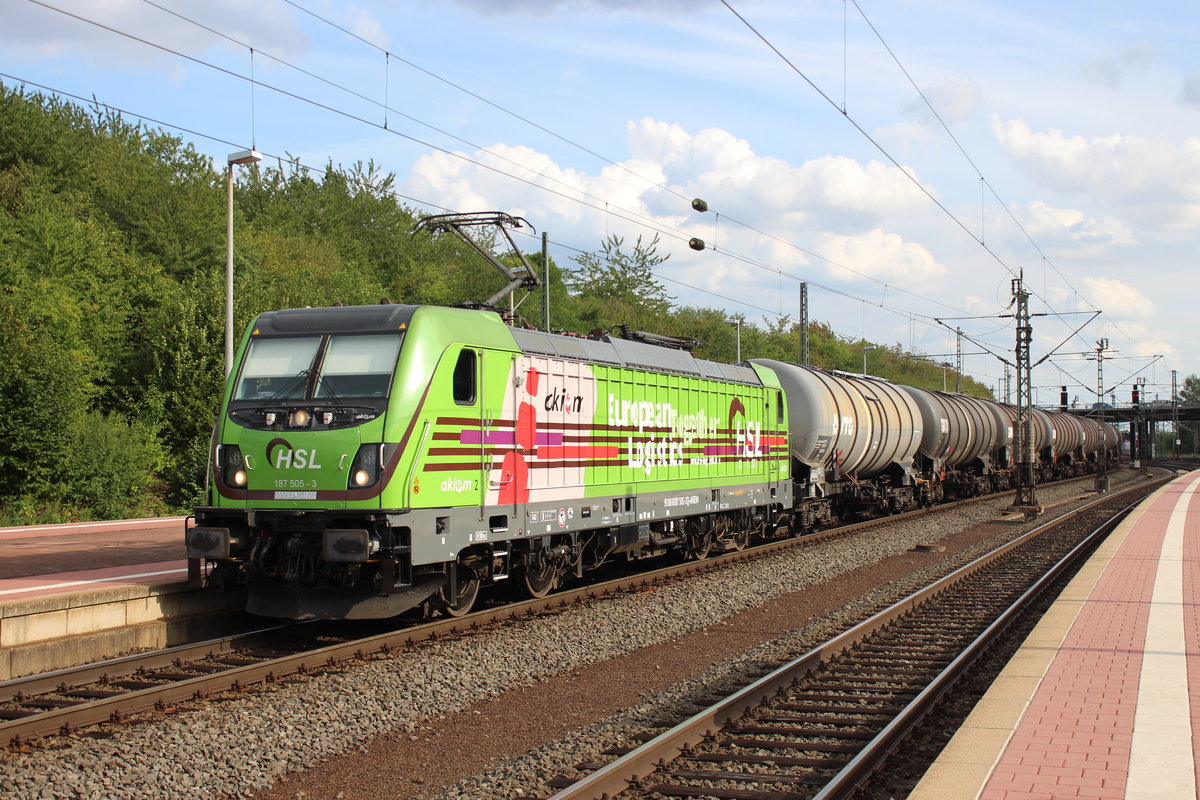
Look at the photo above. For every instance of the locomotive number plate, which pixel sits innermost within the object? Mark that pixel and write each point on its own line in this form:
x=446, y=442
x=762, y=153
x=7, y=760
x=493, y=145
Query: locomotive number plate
x=295, y=495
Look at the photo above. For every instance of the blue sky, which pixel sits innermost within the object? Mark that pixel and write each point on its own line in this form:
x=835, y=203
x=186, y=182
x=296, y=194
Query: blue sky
x=1081, y=118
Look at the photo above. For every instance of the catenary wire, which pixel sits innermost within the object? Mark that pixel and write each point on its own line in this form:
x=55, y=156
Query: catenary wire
x=663, y=186
x=607, y=208
x=746, y=260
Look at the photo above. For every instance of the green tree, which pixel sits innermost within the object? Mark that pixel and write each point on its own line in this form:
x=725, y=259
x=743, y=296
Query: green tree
x=1189, y=432
x=612, y=286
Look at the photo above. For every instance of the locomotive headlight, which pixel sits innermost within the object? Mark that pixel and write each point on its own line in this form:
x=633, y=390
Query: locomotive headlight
x=300, y=418
x=233, y=467
x=366, y=469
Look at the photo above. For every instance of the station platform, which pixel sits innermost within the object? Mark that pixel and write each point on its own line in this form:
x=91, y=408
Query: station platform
x=48, y=559
x=81, y=592
x=1104, y=696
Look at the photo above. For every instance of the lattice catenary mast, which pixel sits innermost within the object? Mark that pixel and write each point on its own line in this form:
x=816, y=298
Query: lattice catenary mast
x=1026, y=498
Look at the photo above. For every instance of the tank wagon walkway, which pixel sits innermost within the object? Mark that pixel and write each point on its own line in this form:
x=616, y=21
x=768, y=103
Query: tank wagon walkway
x=1102, y=699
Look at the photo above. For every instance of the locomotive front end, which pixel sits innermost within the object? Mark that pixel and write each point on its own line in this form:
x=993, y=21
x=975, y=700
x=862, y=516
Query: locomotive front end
x=301, y=462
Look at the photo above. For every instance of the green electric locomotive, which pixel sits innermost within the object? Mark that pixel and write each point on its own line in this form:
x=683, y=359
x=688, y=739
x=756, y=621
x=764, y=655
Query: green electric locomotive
x=375, y=459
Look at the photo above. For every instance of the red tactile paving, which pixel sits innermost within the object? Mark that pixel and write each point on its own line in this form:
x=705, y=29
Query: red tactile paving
x=1075, y=736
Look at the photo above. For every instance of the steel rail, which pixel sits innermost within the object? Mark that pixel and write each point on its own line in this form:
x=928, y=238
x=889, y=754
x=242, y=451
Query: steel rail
x=70, y=718
x=630, y=769
x=124, y=666
x=872, y=756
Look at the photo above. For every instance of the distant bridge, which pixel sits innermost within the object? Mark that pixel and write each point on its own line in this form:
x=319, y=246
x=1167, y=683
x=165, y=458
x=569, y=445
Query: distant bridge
x=1142, y=420
x=1148, y=412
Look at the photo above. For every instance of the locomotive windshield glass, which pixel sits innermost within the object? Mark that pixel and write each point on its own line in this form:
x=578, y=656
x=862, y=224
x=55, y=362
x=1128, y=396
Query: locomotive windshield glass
x=358, y=366
x=276, y=369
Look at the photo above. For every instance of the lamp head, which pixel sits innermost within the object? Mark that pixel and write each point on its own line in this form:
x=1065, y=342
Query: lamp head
x=245, y=157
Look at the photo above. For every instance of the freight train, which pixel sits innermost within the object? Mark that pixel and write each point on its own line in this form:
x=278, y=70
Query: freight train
x=373, y=460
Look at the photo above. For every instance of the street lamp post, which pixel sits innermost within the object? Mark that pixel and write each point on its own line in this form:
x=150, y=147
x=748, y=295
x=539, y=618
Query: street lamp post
x=866, y=347
x=240, y=157
x=738, y=324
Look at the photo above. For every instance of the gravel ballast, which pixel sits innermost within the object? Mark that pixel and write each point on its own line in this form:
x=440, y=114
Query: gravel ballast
x=235, y=746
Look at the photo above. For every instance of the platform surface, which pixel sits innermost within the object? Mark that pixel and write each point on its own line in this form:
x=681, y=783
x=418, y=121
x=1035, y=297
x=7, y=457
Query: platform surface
x=1103, y=699
x=44, y=560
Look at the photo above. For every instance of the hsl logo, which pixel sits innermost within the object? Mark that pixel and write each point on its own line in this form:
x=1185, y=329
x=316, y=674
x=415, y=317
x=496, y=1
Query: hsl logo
x=287, y=458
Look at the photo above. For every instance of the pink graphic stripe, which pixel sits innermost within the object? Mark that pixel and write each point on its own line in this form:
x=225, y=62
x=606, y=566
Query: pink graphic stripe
x=570, y=451
x=505, y=438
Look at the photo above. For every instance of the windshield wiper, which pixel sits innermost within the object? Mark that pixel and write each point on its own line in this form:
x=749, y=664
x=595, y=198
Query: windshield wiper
x=285, y=391
x=323, y=383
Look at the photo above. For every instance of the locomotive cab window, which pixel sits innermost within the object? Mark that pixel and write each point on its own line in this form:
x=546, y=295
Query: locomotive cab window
x=276, y=369
x=464, y=378
x=358, y=366
x=281, y=368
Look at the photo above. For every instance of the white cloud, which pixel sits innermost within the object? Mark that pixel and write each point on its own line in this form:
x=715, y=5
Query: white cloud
x=366, y=26
x=1111, y=71
x=725, y=170
x=955, y=99
x=1117, y=299
x=833, y=206
x=712, y=164
x=1134, y=339
x=1068, y=225
x=1155, y=179
x=1189, y=93
x=883, y=256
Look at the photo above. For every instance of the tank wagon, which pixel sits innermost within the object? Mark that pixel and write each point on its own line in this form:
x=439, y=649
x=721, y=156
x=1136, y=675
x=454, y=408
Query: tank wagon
x=375, y=459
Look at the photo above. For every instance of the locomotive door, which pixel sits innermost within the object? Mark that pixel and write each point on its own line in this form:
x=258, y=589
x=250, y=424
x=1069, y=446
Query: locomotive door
x=514, y=429
x=778, y=424
x=445, y=471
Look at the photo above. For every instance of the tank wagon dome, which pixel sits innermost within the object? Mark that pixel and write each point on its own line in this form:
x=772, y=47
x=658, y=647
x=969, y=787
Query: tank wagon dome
x=859, y=425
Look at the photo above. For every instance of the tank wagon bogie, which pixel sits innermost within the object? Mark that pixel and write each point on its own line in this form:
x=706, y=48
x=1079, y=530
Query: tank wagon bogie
x=376, y=459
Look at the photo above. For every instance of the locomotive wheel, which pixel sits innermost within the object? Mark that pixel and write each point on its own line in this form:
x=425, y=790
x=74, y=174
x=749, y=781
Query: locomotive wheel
x=540, y=579
x=468, y=591
x=699, y=545
x=738, y=540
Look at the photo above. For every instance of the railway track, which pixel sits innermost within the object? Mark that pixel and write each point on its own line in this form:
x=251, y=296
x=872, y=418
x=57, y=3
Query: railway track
x=68, y=700
x=820, y=726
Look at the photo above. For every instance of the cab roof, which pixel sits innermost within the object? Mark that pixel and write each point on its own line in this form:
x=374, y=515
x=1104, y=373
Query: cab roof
x=383, y=318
